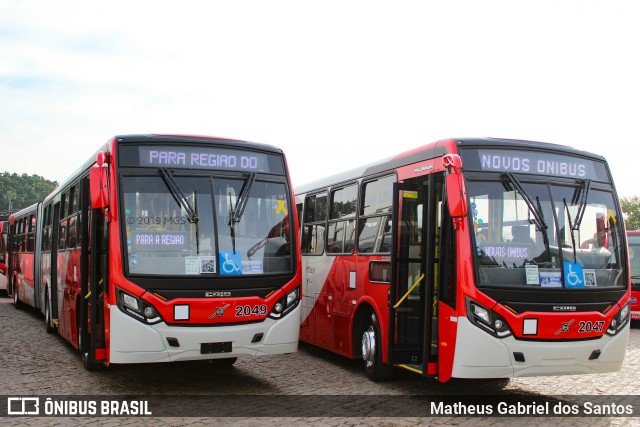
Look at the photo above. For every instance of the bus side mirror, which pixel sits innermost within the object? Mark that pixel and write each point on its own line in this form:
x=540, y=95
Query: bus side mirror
x=456, y=191
x=456, y=195
x=98, y=187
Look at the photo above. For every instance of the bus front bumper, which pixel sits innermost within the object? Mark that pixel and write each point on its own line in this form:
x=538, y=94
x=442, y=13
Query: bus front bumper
x=480, y=355
x=132, y=341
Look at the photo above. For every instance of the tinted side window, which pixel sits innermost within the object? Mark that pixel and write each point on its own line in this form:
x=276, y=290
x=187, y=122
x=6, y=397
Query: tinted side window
x=374, y=226
x=341, y=231
x=315, y=215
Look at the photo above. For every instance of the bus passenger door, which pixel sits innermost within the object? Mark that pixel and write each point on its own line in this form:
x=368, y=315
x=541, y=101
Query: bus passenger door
x=413, y=261
x=93, y=262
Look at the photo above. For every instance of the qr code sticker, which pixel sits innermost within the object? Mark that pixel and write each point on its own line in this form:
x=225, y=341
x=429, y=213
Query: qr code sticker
x=590, y=278
x=207, y=265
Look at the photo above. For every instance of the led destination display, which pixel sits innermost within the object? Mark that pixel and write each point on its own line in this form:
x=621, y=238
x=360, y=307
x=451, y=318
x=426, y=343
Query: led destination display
x=196, y=157
x=533, y=162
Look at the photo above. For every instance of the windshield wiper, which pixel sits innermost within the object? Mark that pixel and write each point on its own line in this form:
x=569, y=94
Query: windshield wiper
x=232, y=223
x=586, y=185
x=235, y=212
x=536, y=210
x=241, y=202
x=572, y=228
x=538, y=217
x=179, y=196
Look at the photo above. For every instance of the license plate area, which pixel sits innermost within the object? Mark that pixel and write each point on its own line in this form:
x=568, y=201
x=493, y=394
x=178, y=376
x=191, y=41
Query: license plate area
x=215, y=347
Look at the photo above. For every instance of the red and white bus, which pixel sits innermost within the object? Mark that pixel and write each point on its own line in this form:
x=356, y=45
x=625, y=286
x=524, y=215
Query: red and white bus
x=166, y=248
x=4, y=257
x=633, y=238
x=464, y=258
x=23, y=269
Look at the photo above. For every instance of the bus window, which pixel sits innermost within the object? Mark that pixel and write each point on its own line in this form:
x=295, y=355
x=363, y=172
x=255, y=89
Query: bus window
x=315, y=215
x=341, y=231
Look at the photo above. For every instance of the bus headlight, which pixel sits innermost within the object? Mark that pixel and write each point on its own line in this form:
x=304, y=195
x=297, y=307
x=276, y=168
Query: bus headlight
x=292, y=297
x=130, y=302
x=285, y=304
x=137, y=308
x=619, y=321
x=487, y=320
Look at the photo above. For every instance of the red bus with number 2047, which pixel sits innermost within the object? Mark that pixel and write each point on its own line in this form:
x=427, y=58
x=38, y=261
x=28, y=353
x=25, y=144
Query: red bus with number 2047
x=468, y=258
x=165, y=248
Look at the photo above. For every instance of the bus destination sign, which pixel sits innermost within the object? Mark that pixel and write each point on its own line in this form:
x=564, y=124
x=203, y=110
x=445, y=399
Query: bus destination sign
x=203, y=158
x=534, y=162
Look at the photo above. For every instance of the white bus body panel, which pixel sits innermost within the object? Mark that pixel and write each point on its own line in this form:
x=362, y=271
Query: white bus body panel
x=132, y=341
x=480, y=355
x=3, y=282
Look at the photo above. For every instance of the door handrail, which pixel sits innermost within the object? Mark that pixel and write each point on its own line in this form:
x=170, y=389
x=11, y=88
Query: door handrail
x=409, y=291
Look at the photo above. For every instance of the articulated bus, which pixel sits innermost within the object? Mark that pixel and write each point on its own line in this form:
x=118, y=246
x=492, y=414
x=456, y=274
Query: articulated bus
x=22, y=265
x=466, y=258
x=634, y=260
x=4, y=229
x=165, y=248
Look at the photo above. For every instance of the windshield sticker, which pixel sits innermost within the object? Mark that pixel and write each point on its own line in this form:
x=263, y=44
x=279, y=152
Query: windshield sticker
x=191, y=265
x=533, y=278
x=550, y=279
x=207, y=264
x=252, y=267
x=573, y=275
x=504, y=251
x=153, y=241
x=590, y=278
x=281, y=208
x=230, y=263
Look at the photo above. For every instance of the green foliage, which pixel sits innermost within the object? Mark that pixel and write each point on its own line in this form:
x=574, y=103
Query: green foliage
x=631, y=210
x=20, y=191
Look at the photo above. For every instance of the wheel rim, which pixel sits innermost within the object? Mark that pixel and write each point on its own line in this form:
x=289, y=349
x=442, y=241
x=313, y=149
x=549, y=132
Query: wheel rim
x=369, y=346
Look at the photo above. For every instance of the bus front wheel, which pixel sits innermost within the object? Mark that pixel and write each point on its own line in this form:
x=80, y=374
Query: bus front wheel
x=374, y=367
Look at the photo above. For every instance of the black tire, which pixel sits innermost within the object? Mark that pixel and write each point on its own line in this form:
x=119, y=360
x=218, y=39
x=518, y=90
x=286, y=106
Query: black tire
x=16, y=301
x=228, y=361
x=48, y=321
x=375, y=369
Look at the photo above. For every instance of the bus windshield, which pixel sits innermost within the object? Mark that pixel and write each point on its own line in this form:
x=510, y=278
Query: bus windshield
x=549, y=235
x=197, y=230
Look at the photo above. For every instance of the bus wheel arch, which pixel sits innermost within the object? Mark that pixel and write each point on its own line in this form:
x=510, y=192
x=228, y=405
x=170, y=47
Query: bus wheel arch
x=367, y=344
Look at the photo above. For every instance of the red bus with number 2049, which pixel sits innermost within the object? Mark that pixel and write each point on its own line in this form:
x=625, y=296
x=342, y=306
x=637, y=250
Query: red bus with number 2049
x=468, y=258
x=165, y=248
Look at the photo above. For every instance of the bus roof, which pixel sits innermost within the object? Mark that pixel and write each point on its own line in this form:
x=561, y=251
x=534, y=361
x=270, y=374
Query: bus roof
x=433, y=150
x=23, y=212
x=168, y=138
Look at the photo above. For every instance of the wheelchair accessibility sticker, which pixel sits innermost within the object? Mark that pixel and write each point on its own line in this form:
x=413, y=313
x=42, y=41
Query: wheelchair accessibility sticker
x=573, y=275
x=230, y=263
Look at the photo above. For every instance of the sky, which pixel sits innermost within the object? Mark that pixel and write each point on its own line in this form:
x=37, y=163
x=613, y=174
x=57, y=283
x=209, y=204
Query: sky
x=334, y=83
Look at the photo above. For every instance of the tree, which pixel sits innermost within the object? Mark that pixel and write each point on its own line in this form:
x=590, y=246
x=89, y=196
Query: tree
x=20, y=191
x=631, y=210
